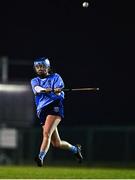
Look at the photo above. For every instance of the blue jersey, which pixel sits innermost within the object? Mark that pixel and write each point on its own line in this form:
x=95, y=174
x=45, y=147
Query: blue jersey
x=51, y=81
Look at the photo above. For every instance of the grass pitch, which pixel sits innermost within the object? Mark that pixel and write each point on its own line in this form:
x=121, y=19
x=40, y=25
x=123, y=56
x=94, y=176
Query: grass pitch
x=29, y=172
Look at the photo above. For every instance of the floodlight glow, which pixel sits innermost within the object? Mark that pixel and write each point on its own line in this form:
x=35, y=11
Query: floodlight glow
x=13, y=88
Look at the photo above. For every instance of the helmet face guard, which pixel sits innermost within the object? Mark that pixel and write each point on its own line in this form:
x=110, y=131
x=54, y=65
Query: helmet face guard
x=42, y=66
x=42, y=61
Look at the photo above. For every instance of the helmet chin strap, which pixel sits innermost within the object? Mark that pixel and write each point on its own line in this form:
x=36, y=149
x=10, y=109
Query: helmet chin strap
x=43, y=75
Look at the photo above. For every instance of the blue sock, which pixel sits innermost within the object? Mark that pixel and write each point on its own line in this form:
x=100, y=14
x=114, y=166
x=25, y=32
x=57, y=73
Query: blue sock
x=42, y=155
x=74, y=149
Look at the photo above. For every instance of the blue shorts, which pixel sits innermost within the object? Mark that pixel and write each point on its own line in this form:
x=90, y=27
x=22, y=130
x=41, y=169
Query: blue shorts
x=54, y=108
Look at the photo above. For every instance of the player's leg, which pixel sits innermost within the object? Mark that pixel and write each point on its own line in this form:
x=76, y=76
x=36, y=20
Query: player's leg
x=48, y=129
x=57, y=142
x=50, y=125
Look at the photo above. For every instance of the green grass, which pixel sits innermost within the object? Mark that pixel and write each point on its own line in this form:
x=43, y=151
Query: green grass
x=29, y=172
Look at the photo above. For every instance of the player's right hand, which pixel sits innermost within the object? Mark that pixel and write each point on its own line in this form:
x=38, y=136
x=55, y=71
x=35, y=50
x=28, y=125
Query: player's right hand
x=48, y=90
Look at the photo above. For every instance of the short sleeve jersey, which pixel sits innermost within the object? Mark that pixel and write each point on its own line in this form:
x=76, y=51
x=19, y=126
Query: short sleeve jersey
x=51, y=81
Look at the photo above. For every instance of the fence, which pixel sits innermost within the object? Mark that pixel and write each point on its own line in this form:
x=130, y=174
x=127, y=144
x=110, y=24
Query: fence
x=106, y=144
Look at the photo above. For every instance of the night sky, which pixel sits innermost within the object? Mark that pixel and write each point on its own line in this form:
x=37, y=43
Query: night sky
x=91, y=46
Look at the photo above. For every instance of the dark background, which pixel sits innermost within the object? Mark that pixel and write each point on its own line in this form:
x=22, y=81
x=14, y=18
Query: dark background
x=91, y=46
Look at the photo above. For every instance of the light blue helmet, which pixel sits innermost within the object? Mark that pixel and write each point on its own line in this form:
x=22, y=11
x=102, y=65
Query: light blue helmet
x=43, y=61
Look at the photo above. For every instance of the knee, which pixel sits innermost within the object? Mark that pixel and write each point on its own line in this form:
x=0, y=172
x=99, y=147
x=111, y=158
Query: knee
x=56, y=144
